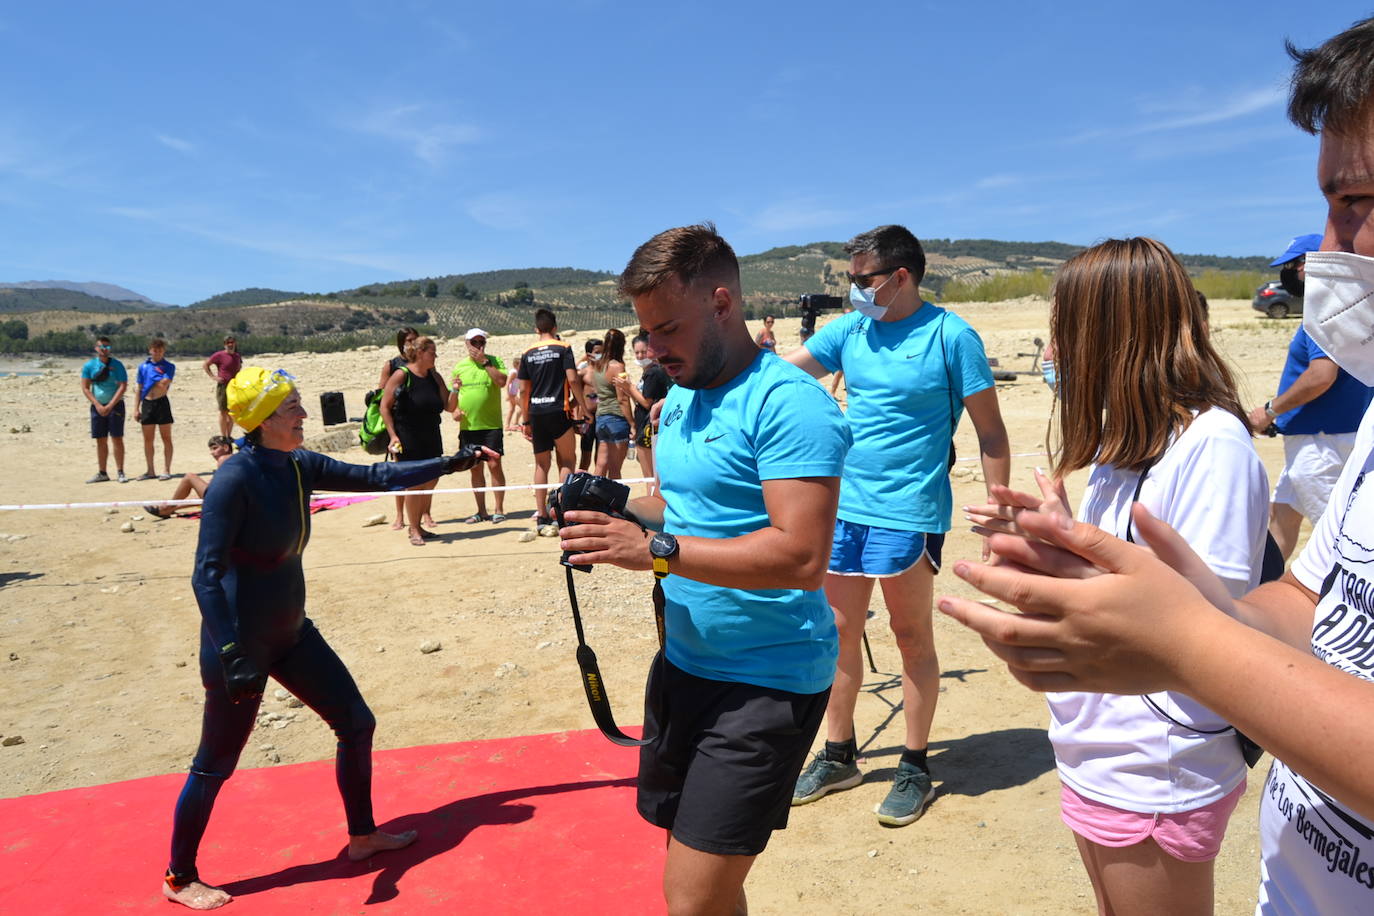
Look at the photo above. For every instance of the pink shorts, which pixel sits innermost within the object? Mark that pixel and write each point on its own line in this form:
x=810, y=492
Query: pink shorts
x=1189, y=836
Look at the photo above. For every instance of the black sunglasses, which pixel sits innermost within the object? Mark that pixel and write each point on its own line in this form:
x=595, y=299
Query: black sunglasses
x=860, y=279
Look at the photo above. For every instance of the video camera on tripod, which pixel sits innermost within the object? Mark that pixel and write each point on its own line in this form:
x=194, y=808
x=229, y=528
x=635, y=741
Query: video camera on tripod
x=811, y=305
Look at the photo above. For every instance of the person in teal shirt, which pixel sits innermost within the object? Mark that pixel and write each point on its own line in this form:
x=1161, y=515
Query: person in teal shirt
x=103, y=381
x=911, y=370
x=479, y=380
x=750, y=451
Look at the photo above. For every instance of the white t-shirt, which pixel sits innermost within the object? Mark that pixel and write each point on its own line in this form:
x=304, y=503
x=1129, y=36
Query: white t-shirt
x=1211, y=487
x=1317, y=856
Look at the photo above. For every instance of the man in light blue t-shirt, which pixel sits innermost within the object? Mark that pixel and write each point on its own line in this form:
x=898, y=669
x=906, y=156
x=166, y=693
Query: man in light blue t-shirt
x=749, y=456
x=911, y=370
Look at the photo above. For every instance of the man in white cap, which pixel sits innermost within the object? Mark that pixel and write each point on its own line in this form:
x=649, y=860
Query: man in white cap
x=479, y=380
x=1317, y=411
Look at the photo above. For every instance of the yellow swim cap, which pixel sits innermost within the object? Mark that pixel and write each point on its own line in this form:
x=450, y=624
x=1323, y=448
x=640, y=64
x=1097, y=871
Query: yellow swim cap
x=255, y=393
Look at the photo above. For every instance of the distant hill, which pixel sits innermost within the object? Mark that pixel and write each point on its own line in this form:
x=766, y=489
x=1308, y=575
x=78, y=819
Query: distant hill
x=255, y=295
x=43, y=299
x=101, y=290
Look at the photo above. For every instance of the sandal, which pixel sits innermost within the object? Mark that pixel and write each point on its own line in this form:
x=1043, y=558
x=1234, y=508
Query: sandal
x=475, y=518
x=497, y=519
x=416, y=540
x=158, y=511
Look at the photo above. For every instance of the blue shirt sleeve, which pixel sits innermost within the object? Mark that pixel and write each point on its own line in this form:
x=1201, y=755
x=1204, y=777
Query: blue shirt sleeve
x=825, y=344
x=800, y=433
x=968, y=363
x=1310, y=347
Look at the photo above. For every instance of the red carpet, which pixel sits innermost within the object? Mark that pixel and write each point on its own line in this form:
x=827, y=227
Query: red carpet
x=520, y=825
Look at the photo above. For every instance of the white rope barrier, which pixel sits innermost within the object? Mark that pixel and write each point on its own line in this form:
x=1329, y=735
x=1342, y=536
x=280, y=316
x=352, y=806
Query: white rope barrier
x=317, y=497
x=14, y=507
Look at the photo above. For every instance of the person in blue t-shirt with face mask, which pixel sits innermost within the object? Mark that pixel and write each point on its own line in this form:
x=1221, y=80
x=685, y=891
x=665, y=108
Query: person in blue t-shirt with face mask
x=749, y=454
x=1317, y=411
x=911, y=369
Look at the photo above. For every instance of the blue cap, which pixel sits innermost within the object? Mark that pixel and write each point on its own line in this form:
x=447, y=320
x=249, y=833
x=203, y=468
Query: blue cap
x=1298, y=247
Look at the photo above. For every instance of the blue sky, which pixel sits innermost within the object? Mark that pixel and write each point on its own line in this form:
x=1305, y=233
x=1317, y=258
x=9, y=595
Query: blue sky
x=184, y=149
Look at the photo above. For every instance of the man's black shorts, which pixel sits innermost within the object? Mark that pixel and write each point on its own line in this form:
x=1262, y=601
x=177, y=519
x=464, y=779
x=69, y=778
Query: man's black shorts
x=721, y=772
x=490, y=438
x=548, y=428
x=155, y=412
x=112, y=424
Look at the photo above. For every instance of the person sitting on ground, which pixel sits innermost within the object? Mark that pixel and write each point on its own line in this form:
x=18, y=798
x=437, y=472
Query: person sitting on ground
x=221, y=447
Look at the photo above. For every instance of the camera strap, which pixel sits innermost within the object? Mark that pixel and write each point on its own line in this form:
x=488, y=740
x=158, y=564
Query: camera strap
x=592, y=682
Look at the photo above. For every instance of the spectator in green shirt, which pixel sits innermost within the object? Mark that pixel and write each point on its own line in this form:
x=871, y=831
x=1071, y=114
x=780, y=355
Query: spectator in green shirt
x=479, y=380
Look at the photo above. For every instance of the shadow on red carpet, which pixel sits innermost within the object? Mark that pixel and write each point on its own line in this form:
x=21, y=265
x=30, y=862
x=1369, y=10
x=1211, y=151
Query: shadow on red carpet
x=517, y=825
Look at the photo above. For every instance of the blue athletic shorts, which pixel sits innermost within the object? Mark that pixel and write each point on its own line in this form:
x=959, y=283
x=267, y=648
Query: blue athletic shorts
x=867, y=550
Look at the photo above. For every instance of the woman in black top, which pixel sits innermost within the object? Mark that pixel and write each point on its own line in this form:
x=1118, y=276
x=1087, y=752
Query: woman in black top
x=250, y=588
x=405, y=340
x=414, y=399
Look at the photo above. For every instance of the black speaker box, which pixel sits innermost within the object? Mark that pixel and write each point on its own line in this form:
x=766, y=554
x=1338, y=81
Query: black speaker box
x=332, y=408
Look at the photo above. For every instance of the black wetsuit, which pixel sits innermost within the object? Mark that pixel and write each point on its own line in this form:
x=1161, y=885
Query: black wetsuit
x=250, y=587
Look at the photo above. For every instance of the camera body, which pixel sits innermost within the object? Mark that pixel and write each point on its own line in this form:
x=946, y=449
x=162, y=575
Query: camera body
x=593, y=494
x=811, y=305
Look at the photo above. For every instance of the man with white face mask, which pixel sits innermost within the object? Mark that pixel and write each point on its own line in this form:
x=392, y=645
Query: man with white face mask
x=1292, y=663
x=1317, y=410
x=911, y=369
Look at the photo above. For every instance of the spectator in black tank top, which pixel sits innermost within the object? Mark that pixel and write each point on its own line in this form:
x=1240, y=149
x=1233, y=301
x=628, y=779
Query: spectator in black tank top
x=414, y=399
x=405, y=338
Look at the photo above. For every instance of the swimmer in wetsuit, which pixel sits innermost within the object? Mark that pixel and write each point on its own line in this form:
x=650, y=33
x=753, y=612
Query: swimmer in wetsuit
x=250, y=587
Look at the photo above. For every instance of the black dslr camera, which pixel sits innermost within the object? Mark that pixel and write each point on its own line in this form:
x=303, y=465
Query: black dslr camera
x=592, y=493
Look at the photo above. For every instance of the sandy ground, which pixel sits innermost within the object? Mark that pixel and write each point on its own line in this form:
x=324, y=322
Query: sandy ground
x=98, y=639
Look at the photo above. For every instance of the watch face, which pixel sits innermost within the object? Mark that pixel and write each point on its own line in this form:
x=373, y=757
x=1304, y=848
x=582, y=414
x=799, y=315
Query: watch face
x=663, y=545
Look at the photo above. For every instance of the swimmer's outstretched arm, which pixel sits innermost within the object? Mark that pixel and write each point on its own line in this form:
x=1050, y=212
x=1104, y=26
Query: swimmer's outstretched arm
x=1132, y=624
x=327, y=473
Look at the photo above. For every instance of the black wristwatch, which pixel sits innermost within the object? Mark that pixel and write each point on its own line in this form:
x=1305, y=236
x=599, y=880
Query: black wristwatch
x=662, y=547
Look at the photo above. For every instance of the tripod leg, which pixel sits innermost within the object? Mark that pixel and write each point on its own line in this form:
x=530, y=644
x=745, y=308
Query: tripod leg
x=869, y=649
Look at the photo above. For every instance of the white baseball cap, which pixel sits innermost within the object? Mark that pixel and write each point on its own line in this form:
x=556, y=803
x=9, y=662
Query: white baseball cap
x=476, y=332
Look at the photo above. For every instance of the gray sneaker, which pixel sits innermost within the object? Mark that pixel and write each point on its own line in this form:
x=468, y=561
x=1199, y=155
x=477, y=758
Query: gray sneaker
x=100, y=477
x=907, y=800
x=823, y=776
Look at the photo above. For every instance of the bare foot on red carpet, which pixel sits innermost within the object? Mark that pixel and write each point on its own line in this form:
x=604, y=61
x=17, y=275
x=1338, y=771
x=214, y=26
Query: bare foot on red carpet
x=197, y=895
x=362, y=847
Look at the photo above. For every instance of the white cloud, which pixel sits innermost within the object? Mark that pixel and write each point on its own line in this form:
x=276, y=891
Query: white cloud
x=998, y=181
x=415, y=125
x=176, y=143
x=1189, y=110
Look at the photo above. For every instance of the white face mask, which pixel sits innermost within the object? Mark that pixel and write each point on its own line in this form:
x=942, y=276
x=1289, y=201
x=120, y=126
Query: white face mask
x=863, y=300
x=1338, y=309
x=644, y=363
